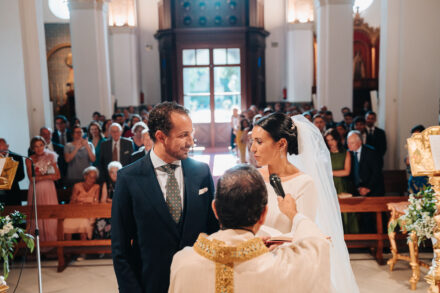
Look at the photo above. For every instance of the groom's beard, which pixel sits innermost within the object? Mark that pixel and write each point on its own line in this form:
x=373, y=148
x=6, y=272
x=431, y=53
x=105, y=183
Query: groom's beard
x=179, y=153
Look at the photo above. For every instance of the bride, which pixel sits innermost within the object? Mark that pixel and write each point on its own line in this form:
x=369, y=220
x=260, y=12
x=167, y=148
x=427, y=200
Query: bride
x=295, y=150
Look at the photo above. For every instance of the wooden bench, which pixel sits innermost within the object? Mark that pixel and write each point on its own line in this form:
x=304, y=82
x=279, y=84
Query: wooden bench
x=61, y=212
x=376, y=205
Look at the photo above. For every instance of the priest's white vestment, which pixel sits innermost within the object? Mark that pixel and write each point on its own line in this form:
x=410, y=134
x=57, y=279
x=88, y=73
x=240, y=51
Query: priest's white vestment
x=234, y=260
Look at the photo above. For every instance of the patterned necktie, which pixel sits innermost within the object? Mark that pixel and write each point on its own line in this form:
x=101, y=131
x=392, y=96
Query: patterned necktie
x=115, y=152
x=173, y=199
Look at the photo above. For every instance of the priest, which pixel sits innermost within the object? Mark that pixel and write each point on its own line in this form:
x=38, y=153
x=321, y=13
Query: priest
x=234, y=260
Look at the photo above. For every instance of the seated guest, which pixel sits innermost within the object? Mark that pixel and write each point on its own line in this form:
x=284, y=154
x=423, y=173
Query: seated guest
x=137, y=137
x=376, y=137
x=62, y=135
x=348, y=120
x=102, y=225
x=128, y=129
x=85, y=192
x=96, y=116
x=345, y=110
x=359, y=125
x=366, y=171
x=79, y=155
x=234, y=260
x=46, y=173
x=106, y=128
x=329, y=122
x=308, y=115
x=319, y=122
x=115, y=149
x=118, y=118
x=12, y=196
x=143, y=150
x=415, y=184
x=96, y=138
x=342, y=130
x=341, y=165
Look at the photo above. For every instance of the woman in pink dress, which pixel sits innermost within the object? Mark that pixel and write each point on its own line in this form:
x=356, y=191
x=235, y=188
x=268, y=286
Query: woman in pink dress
x=85, y=192
x=46, y=173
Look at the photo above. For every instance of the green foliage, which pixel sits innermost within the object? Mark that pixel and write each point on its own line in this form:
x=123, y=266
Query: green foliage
x=419, y=217
x=10, y=233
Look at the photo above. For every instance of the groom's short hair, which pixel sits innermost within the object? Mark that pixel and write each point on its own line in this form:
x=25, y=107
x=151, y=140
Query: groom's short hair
x=160, y=117
x=241, y=197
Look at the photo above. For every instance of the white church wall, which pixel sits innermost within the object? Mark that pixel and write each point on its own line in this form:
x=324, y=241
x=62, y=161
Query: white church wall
x=148, y=24
x=371, y=15
x=409, y=88
x=14, y=121
x=276, y=70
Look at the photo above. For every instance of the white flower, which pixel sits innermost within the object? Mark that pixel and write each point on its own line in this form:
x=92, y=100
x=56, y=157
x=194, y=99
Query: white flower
x=2, y=232
x=2, y=280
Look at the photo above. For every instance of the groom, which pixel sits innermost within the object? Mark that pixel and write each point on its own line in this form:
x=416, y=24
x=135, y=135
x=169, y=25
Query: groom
x=161, y=204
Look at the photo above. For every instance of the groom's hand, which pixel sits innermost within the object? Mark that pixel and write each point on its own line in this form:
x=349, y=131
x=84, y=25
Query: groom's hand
x=287, y=206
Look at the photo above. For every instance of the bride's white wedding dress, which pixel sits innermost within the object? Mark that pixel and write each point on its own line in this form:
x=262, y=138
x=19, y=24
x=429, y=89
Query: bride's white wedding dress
x=316, y=198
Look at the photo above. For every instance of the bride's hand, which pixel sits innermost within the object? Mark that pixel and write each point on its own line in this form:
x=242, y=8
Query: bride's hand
x=287, y=206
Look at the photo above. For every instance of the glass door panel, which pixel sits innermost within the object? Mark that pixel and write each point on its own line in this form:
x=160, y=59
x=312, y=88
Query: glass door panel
x=196, y=93
x=211, y=89
x=227, y=92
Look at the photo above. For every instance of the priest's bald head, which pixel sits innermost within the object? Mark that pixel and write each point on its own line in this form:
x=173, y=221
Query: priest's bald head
x=241, y=199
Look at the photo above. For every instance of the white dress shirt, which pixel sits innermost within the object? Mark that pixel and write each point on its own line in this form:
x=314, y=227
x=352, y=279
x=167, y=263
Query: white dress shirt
x=118, y=148
x=163, y=176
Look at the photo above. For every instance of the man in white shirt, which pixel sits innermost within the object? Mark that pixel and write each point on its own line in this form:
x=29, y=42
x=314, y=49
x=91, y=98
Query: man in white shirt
x=234, y=260
x=162, y=202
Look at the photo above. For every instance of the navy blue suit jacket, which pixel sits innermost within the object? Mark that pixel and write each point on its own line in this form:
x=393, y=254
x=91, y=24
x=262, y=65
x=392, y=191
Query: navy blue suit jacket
x=144, y=235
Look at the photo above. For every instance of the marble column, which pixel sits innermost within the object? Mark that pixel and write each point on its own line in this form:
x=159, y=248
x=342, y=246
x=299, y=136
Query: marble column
x=299, y=62
x=89, y=37
x=409, y=72
x=334, y=27
x=24, y=88
x=124, y=65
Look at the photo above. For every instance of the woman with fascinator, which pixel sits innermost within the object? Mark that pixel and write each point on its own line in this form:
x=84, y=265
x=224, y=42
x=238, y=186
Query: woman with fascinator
x=294, y=150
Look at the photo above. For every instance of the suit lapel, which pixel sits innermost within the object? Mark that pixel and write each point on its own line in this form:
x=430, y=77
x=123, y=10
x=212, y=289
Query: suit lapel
x=191, y=190
x=151, y=189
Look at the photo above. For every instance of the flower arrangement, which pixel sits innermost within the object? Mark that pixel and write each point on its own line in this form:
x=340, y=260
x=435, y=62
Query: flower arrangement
x=419, y=217
x=10, y=233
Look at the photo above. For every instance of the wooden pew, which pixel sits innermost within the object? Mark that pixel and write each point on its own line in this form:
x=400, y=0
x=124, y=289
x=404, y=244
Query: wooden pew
x=376, y=205
x=61, y=212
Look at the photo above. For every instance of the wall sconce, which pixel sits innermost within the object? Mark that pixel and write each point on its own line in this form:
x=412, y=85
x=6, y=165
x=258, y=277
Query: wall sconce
x=300, y=11
x=122, y=13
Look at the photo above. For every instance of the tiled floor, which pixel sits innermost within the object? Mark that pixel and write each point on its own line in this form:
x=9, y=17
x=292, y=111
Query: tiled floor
x=97, y=276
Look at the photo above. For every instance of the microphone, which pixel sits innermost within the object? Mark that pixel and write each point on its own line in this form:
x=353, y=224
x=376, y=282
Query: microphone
x=275, y=181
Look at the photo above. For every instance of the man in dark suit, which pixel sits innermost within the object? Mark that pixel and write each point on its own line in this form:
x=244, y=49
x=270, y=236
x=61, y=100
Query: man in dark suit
x=62, y=135
x=12, y=196
x=375, y=136
x=162, y=203
x=366, y=171
x=143, y=150
x=115, y=149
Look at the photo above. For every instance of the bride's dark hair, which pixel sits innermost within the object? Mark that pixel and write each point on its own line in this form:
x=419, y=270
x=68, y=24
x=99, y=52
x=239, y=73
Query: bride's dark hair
x=279, y=126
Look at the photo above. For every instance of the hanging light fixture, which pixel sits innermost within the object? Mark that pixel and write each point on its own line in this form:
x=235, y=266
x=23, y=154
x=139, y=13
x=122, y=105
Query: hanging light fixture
x=122, y=13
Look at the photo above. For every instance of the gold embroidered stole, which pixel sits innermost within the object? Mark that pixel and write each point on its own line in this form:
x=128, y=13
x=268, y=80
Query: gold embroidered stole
x=225, y=256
